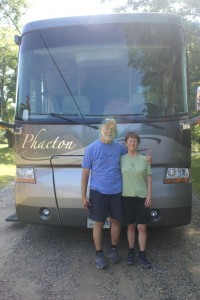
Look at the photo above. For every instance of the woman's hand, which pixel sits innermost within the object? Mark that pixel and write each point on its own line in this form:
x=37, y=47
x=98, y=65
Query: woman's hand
x=147, y=201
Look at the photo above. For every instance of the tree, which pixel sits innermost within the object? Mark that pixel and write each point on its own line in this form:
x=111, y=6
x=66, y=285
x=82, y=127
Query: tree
x=190, y=11
x=10, y=14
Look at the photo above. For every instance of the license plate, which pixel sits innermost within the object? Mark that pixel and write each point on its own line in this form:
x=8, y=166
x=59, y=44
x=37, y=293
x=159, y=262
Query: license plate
x=90, y=223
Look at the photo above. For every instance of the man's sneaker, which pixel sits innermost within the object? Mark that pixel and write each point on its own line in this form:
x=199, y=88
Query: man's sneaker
x=100, y=261
x=131, y=257
x=144, y=261
x=114, y=256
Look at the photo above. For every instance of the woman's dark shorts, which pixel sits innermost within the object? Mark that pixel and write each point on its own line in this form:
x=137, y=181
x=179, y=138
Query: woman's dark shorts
x=135, y=211
x=105, y=205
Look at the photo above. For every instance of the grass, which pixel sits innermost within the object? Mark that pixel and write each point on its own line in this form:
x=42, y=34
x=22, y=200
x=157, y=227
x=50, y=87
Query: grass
x=7, y=165
x=7, y=168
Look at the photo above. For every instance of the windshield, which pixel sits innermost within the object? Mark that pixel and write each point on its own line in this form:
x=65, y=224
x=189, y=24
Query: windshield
x=94, y=70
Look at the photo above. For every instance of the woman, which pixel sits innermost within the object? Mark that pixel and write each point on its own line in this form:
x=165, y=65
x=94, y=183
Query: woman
x=136, y=192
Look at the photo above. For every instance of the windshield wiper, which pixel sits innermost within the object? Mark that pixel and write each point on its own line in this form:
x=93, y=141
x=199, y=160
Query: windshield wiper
x=129, y=117
x=115, y=115
x=62, y=76
x=72, y=121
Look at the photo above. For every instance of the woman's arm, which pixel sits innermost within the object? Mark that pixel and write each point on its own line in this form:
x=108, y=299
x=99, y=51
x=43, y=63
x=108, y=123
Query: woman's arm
x=149, y=189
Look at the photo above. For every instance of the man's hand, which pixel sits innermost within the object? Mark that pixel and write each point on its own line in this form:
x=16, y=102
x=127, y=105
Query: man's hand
x=86, y=202
x=149, y=159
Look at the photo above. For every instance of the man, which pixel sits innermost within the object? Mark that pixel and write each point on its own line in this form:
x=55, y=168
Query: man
x=102, y=161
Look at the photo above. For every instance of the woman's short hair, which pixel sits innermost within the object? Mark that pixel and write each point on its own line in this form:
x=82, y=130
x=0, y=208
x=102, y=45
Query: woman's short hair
x=132, y=135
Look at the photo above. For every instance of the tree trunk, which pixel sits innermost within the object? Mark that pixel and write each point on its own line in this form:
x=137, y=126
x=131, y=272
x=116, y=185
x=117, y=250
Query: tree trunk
x=9, y=135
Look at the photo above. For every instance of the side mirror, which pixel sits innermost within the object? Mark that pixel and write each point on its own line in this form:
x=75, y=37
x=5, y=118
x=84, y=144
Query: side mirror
x=25, y=114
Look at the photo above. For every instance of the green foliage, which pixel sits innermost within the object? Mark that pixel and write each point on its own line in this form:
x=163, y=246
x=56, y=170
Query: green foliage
x=7, y=165
x=2, y=137
x=196, y=133
x=8, y=67
x=196, y=173
x=196, y=138
x=11, y=12
x=190, y=11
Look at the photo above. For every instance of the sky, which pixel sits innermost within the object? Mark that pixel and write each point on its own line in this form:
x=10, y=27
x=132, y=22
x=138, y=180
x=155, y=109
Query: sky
x=44, y=9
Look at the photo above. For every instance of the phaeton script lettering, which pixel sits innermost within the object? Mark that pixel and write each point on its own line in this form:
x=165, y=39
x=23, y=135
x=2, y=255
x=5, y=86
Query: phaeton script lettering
x=35, y=142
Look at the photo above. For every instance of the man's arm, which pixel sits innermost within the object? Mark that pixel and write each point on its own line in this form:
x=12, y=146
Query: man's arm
x=84, y=184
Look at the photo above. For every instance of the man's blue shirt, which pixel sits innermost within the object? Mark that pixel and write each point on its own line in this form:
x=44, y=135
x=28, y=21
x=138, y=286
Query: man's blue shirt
x=104, y=162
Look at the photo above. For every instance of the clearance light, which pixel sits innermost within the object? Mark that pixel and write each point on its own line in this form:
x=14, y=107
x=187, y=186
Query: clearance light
x=177, y=175
x=155, y=215
x=44, y=213
x=25, y=175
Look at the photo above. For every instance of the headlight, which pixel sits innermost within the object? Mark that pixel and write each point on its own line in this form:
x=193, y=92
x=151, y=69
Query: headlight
x=177, y=175
x=25, y=175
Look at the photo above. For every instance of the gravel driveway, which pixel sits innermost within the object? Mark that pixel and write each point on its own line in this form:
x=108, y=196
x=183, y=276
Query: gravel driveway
x=50, y=263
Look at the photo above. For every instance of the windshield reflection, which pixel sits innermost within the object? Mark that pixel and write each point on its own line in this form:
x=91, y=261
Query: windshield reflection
x=127, y=69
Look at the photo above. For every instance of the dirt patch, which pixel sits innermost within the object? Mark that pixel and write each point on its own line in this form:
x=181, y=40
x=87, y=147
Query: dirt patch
x=44, y=263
